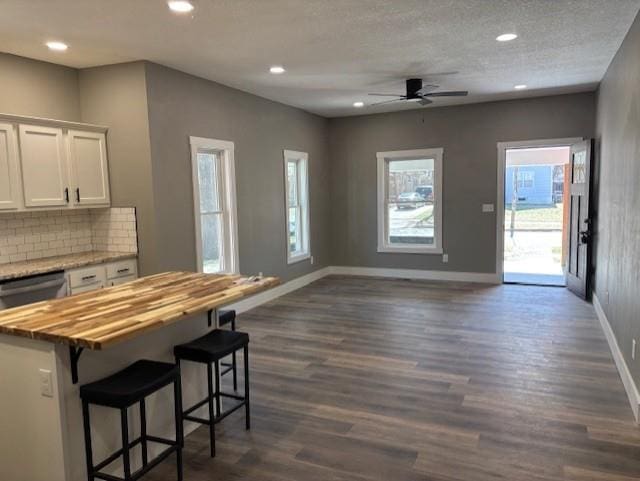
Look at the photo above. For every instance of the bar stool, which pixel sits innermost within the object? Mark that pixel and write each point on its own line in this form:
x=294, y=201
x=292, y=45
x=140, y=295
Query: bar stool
x=210, y=349
x=225, y=318
x=121, y=390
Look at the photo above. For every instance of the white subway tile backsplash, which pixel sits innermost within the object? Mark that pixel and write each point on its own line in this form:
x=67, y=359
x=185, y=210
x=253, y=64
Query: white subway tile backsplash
x=35, y=235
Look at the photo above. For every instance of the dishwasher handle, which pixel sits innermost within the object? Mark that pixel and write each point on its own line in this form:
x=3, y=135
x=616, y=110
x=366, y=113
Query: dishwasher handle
x=4, y=292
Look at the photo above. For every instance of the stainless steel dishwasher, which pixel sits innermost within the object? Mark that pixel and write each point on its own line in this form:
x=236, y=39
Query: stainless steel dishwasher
x=27, y=290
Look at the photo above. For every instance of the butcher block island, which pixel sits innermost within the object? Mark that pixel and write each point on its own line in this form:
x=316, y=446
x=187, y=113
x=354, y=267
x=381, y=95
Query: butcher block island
x=97, y=319
x=47, y=346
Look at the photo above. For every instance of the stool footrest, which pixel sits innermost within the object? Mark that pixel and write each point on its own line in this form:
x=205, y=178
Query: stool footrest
x=173, y=445
x=187, y=417
x=143, y=470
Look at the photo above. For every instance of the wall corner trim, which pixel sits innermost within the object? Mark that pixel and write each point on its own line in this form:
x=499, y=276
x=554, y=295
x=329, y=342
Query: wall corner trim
x=629, y=385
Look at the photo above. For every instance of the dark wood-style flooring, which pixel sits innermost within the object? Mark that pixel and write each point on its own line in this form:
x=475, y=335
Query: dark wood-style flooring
x=358, y=379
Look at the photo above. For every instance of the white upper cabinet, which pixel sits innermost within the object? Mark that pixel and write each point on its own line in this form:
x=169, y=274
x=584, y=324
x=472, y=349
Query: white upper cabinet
x=10, y=190
x=44, y=166
x=88, y=167
x=52, y=164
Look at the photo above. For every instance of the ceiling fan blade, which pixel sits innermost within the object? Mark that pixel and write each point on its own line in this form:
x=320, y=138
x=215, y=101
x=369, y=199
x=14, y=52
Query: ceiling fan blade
x=426, y=89
x=424, y=101
x=454, y=93
x=385, y=102
x=388, y=95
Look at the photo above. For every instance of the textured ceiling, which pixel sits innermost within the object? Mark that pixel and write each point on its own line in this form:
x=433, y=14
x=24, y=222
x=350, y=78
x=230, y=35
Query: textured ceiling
x=336, y=51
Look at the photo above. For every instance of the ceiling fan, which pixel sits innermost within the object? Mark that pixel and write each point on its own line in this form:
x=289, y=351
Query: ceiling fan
x=417, y=92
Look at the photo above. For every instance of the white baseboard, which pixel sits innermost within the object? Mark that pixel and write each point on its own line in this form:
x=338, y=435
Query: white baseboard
x=281, y=290
x=623, y=370
x=451, y=276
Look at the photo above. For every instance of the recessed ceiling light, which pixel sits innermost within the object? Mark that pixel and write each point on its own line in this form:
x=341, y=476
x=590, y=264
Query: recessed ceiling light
x=58, y=46
x=520, y=87
x=506, y=37
x=358, y=104
x=277, y=69
x=180, y=6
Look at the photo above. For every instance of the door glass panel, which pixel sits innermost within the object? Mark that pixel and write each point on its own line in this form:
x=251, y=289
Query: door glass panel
x=212, y=243
x=207, y=179
x=579, y=166
x=294, y=229
x=292, y=181
x=410, y=202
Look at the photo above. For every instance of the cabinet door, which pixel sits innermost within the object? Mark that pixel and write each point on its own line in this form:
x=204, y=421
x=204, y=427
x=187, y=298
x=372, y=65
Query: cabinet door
x=89, y=169
x=122, y=280
x=9, y=182
x=44, y=166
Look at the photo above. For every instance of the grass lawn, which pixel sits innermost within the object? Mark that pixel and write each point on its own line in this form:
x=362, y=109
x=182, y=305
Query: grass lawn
x=535, y=217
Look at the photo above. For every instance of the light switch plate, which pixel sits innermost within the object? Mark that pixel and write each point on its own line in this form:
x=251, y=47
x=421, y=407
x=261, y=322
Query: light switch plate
x=445, y=258
x=46, y=383
x=487, y=208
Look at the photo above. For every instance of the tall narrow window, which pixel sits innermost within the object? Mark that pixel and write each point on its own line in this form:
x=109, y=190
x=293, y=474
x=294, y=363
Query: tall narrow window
x=297, y=205
x=410, y=201
x=215, y=205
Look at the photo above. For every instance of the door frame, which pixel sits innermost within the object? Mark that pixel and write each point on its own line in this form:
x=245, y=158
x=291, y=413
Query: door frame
x=502, y=160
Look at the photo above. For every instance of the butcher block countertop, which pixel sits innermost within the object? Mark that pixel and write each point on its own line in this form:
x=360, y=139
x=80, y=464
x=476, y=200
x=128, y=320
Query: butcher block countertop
x=100, y=318
x=59, y=263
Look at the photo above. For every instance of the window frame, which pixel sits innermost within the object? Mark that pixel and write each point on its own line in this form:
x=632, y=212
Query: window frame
x=302, y=160
x=227, y=197
x=383, y=159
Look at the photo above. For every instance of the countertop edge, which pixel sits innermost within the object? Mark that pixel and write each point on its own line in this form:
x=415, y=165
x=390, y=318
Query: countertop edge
x=71, y=263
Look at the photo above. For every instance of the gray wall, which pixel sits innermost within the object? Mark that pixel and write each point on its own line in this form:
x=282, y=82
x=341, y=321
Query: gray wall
x=38, y=89
x=181, y=105
x=116, y=96
x=618, y=221
x=469, y=135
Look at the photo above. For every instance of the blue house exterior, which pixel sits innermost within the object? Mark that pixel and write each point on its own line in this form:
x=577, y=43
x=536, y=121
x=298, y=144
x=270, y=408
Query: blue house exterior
x=535, y=184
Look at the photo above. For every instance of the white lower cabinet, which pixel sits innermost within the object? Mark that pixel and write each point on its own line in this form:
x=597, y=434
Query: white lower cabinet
x=88, y=279
x=122, y=280
x=86, y=288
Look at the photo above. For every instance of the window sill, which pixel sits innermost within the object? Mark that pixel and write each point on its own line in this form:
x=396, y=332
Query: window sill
x=299, y=258
x=410, y=250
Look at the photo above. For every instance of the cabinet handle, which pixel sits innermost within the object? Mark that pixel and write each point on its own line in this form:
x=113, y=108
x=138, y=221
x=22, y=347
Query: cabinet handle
x=78, y=194
x=120, y=271
x=86, y=278
x=66, y=194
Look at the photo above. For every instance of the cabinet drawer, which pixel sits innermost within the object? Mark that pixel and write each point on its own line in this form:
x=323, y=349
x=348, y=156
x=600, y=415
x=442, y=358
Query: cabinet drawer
x=86, y=276
x=90, y=287
x=121, y=269
x=121, y=280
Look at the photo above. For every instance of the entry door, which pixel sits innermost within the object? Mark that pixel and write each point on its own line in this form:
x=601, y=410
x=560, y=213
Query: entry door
x=580, y=233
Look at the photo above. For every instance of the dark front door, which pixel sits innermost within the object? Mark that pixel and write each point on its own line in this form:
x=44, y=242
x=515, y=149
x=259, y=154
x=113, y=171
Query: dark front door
x=580, y=233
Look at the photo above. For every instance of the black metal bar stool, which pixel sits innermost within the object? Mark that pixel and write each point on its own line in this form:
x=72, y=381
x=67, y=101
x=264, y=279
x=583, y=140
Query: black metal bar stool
x=210, y=349
x=229, y=318
x=121, y=390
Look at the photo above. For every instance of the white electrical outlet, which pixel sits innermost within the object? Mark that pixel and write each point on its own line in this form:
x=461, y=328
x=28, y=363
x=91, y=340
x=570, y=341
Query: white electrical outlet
x=46, y=383
x=633, y=349
x=445, y=258
x=311, y=260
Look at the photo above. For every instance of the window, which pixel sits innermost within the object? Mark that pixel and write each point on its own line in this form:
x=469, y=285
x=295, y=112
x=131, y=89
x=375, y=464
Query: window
x=215, y=205
x=410, y=201
x=526, y=179
x=297, y=205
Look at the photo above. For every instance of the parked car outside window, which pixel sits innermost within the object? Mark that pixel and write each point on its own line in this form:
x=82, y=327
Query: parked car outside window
x=426, y=191
x=409, y=200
